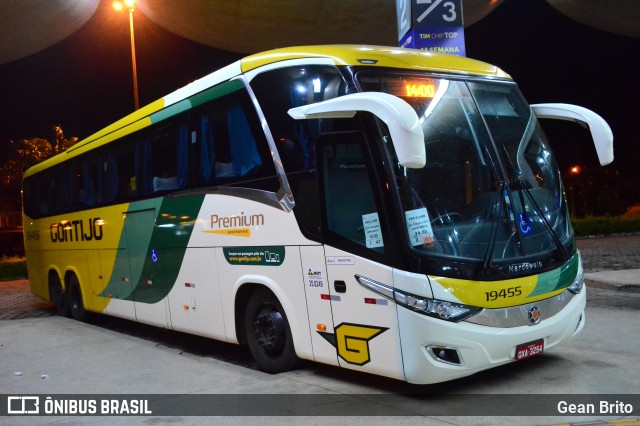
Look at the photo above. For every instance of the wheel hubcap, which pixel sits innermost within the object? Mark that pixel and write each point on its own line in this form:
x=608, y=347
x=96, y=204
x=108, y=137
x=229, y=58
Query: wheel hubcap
x=268, y=329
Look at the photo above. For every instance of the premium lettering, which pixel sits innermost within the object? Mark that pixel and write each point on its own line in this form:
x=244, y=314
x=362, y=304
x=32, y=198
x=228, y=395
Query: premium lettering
x=235, y=221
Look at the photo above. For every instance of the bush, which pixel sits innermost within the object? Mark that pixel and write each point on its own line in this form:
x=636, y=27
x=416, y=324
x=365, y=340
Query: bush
x=606, y=225
x=12, y=268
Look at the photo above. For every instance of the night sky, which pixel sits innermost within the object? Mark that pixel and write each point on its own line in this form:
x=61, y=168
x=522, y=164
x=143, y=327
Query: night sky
x=84, y=83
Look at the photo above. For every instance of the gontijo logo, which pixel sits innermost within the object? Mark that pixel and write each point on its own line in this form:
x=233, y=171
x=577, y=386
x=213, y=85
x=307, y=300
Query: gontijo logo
x=352, y=341
x=235, y=225
x=76, y=230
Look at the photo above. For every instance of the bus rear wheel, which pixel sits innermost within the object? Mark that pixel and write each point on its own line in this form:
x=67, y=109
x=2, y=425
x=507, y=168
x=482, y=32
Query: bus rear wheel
x=76, y=306
x=268, y=333
x=57, y=295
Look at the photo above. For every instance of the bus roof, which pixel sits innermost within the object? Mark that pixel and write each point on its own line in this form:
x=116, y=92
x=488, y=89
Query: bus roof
x=378, y=56
x=357, y=55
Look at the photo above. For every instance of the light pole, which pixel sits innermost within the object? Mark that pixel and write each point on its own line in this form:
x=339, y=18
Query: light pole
x=575, y=171
x=130, y=4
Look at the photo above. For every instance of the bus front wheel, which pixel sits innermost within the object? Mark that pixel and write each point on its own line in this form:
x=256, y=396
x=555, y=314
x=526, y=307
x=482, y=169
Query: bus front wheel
x=268, y=333
x=76, y=306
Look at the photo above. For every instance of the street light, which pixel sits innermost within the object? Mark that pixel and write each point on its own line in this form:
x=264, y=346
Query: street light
x=119, y=6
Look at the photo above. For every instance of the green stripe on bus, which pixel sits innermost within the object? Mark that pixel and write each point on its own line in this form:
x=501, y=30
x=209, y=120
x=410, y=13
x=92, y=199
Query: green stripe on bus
x=215, y=92
x=170, y=111
x=558, y=278
x=136, y=235
x=166, y=249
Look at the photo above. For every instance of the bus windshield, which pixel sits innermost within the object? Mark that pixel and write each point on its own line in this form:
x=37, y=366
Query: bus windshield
x=490, y=192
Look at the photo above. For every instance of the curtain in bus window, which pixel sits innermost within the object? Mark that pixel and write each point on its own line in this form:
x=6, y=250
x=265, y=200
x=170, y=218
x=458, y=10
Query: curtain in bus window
x=244, y=152
x=183, y=146
x=87, y=183
x=207, y=149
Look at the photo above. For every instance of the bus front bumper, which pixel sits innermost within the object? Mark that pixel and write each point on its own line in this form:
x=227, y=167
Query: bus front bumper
x=478, y=347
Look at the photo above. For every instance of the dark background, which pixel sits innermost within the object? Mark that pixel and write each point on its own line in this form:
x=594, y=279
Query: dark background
x=84, y=83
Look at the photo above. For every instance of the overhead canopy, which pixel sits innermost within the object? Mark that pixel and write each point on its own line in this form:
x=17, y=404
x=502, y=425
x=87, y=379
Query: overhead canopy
x=248, y=26
x=29, y=26
x=618, y=16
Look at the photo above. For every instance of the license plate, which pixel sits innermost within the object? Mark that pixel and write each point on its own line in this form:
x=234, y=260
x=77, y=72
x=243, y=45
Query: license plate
x=527, y=350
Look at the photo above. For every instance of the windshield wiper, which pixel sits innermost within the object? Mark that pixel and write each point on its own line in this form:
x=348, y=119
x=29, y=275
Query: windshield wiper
x=522, y=184
x=505, y=202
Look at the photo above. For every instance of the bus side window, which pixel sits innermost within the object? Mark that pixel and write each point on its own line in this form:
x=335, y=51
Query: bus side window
x=110, y=176
x=86, y=187
x=230, y=146
x=282, y=89
x=62, y=188
x=278, y=91
x=156, y=159
x=163, y=157
x=37, y=195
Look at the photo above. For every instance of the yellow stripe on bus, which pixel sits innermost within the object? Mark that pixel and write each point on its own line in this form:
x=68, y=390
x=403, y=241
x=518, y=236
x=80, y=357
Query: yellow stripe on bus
x=493, y=294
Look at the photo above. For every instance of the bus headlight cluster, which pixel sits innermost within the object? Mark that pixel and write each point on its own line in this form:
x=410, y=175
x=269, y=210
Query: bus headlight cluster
x=441, y=309
x=449, y=311
x=578, y=283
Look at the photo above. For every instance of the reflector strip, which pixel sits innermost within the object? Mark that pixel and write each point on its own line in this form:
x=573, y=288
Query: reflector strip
x=330, y=297
x=373, y=301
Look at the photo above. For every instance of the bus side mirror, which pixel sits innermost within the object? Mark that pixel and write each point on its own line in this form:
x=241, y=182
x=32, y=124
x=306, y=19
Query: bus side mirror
x=401, y=119
x=600, y=130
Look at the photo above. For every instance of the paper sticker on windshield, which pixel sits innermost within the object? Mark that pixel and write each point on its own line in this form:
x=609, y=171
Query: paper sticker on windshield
x=372, y=230
x=419, y=227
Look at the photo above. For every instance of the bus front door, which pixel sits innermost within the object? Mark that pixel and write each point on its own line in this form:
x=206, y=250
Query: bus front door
x=365, y=326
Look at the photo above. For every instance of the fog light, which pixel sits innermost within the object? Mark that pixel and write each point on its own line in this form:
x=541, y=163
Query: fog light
x=445, y=354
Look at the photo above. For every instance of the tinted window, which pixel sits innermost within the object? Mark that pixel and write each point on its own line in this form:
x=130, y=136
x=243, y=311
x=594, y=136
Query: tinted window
x=229, y=145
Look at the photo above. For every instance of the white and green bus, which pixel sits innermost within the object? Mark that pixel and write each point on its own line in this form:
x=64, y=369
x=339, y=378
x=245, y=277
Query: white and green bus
x=385, y=210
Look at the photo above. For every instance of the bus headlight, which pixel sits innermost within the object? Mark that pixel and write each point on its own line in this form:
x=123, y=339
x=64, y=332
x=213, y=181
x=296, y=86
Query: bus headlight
x=449, y=311
x=578, y=283
x=441, y=309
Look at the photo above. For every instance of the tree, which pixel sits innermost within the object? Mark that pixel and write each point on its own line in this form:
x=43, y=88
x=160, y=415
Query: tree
x=24, y=154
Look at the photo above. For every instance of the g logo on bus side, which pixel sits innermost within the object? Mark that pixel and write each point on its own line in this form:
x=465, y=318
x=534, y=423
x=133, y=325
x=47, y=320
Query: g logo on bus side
x=352, y=341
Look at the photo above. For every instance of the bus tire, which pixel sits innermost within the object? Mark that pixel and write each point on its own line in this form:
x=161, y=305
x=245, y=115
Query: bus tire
x=268, y=333
x=76, y=306
x=57, y=295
